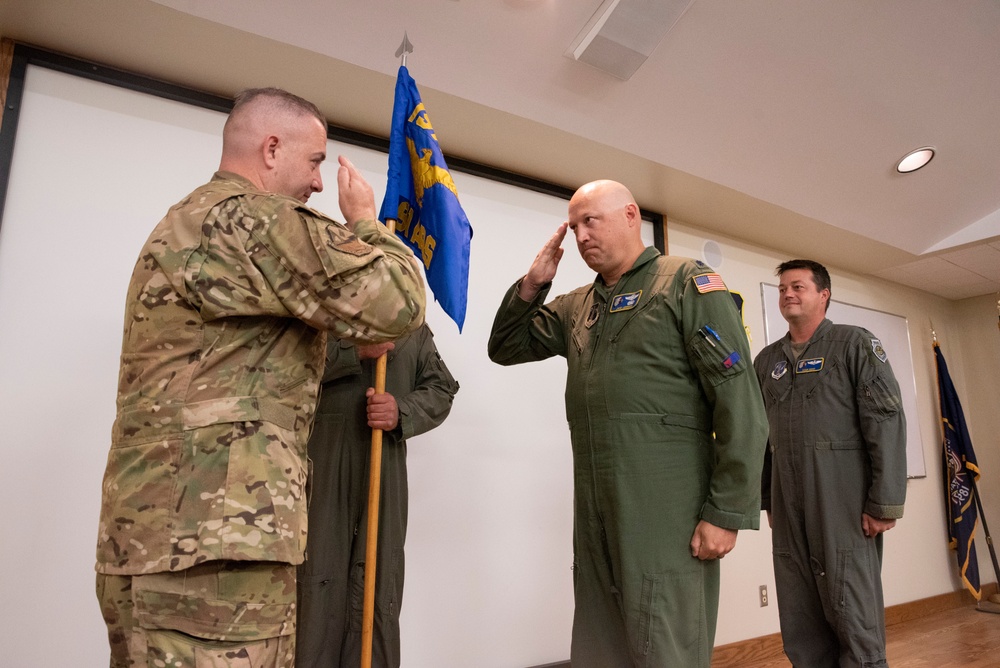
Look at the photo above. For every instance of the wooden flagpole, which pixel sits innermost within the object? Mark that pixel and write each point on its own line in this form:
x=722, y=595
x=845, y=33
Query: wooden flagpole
x=374, y=492
x=375, y=477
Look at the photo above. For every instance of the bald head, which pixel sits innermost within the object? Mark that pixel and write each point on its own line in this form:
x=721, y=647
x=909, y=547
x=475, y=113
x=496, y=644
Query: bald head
x=275, y=139
x=611, y=192
x=605, y=219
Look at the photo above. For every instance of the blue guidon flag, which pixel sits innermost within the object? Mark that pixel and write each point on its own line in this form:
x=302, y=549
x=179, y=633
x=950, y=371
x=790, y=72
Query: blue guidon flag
x=961, y=472
x=422, y=198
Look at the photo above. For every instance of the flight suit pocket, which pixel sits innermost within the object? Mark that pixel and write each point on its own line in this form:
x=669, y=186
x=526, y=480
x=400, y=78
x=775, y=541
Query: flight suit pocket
x=317, y=606
x=672, y=622
x=388, y=575
x=852, y=444
x=854, y=602
x=645, y=614
x=775, y=391
x=880, y=398
x=716, y=359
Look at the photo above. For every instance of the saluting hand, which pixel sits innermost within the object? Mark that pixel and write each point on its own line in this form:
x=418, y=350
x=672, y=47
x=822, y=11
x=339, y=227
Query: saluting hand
x=543, y=269
x=357, y=199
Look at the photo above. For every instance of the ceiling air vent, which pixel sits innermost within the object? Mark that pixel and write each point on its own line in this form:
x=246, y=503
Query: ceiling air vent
x=623, y=33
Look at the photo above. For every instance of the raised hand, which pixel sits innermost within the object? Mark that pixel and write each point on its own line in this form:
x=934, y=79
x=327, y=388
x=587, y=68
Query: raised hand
x=357, y=199
x=543, y=269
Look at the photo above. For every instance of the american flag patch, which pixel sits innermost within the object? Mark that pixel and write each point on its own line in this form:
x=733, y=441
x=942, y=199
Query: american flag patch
x=709, y=283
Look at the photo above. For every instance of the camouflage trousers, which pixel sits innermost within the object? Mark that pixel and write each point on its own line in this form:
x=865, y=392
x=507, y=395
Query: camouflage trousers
x=220, y=614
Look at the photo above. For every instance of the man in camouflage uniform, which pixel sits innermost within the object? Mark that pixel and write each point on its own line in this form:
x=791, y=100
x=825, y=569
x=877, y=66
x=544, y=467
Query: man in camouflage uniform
x=834, y=478
x=203, y=516
x=667, y=426
x=419, y=390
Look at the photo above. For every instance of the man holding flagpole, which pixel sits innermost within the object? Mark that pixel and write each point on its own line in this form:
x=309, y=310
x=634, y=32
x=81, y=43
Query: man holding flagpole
x=351, y=585
x=418, y=397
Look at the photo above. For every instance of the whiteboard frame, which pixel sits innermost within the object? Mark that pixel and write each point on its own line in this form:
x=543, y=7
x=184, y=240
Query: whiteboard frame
x=60, y=342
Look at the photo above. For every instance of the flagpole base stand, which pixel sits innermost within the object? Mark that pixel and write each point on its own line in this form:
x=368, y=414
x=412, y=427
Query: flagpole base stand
x=989, y=605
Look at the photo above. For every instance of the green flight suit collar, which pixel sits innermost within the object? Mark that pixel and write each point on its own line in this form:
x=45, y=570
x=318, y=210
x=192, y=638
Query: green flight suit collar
x=821, y=331
x=648, y=255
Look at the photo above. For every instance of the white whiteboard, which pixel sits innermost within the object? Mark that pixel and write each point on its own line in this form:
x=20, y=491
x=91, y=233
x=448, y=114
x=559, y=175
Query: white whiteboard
x=894, y=334
x=489, y=549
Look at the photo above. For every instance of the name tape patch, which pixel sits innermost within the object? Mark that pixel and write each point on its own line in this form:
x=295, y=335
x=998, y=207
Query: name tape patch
x=809, y=366
x=625, y=302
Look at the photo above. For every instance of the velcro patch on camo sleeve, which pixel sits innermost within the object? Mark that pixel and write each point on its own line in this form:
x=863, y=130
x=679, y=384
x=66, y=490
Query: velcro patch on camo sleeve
x=349, y=244
x=708, y=282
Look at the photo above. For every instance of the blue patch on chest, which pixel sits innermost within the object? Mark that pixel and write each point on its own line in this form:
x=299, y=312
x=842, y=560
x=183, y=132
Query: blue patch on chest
x=809, y=366
x=625, y=302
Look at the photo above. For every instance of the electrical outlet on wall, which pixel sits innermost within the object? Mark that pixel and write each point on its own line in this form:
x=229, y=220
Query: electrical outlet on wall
x=763, y=595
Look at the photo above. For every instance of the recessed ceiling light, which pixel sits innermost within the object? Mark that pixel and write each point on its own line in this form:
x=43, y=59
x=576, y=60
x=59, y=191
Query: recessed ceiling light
x=914, y=160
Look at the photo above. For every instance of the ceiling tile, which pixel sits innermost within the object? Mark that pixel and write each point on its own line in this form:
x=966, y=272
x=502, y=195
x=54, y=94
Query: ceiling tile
x=983, y=260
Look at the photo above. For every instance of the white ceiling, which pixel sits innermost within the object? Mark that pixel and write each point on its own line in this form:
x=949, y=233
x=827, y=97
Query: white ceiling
x=777, y=122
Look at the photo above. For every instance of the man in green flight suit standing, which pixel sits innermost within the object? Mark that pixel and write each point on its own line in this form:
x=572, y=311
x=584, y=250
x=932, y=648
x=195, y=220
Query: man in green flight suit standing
x=834, y=478
x=419, y=390
x=667, y=426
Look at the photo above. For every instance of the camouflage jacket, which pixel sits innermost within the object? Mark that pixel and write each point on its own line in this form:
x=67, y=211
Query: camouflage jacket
x=222, y=354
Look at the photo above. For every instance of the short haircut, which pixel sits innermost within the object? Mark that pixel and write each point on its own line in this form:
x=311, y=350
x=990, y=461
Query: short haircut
x=278, y=100
x=821, y=277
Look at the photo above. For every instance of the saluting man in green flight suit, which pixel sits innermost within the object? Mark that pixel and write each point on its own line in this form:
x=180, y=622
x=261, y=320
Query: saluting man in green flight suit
x=667, y=426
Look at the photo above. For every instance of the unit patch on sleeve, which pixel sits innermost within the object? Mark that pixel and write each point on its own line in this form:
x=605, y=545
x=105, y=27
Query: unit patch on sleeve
x=709, y=283
x=809, y=366
x=625, y=302
x=346, y=243
x=879, y=350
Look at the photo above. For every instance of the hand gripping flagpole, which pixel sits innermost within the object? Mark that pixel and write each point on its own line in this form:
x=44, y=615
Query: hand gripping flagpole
x=375, y=476
x=374, y=493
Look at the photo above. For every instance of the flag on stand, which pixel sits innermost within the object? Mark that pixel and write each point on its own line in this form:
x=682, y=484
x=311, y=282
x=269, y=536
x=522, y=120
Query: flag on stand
x=422, y=198
x=961, y=472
